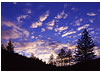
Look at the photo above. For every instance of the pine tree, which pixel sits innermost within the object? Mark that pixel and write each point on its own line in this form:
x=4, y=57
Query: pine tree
x=85, y=46
x=62, y=53
x=10, y=46
x=61, y=58
x=69, y=56
x=2, y=46
x=51, y=60
x=32, y=56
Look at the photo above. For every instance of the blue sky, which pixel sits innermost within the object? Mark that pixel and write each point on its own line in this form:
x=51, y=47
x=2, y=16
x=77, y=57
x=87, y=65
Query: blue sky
x=44, y=28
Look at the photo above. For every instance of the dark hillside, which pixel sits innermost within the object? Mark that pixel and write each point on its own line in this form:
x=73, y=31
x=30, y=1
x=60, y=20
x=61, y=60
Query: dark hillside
x=15, y=62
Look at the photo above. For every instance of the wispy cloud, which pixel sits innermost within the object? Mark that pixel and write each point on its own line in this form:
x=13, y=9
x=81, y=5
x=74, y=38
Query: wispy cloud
x=10, y=34
x=44, y=17
x=83, y=27
x=36, y=24
x=15, y=32
x=91, y=14
x=50, y=24
x=32, y=37
x=43, y=29
x=61, y=15
x=91, y=20
x=20, y=18
x=68, y=33
x=60, y=29
x=28, y=10
x=40, y=21
x=78, y=22
x=42, y=48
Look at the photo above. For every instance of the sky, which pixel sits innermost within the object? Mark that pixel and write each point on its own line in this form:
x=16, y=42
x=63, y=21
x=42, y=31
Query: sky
x=43, y=28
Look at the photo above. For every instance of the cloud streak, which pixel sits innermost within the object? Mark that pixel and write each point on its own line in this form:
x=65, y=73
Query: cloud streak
x=40, y=21
x=91, y=14
x=83, y=27
x=15, y=32
x=68, y=33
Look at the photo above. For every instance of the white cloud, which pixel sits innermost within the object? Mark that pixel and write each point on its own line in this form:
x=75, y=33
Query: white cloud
x=43, y=29
x=44, y=17
x=49, y=27
x=36, y=24
x=91, y=14
x=92, y=32
x=50, y=24
x=29, y=11
x=40, y=21
x=60, y=29
x=15, y=32
x=91, y=20
x=61, y=15
x=83, y=27
x=32, y=37
x=77, y=22
x=19, y=18
x=10, y=34
x=68, y=33
x=90, y=29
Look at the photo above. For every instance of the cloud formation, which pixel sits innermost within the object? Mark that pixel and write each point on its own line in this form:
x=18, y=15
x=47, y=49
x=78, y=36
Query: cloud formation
x=15, y=32
x=50, y=24
x=68, y=33
x=40, y=21
x=91, y=14
x=61, y=15
x=20, y=18
x=60, y=29
x=83, y=27
x=77, y=22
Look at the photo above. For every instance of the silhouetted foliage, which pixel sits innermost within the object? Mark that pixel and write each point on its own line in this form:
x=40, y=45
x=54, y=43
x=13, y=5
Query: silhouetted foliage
x=14, y=62
x=85, y=46
x=32, y=56
x=62, y=53
x=3, y=47
x=10, y=46
x=64, y=58
x=51, y=59
x=69, y=56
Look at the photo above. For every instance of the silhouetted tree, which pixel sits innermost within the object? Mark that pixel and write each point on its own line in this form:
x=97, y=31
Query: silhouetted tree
x=69, y=56
x=61, y=58
x=32, y=56
x=10, y=46
x=51, y=59
x=85, y=46
x=62, y=53
x=2, y=46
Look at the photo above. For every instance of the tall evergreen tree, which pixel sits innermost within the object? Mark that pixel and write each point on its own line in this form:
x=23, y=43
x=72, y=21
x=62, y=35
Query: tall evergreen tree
x=85, y=46
x=61, y=58
x=69, y=56
x=10, y=46
x=51, y=59
x=32, y=56
x=2, y=46
x=62, y=53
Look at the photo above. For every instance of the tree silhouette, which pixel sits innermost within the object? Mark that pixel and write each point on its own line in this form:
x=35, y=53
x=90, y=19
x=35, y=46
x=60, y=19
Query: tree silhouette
x=10, y=46
x=85, y=46
x=32, y=56
x=2, y=46
x=51, y=60
x=61, y=58
x=69, y=56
